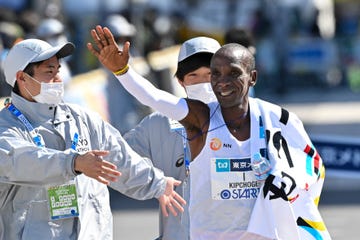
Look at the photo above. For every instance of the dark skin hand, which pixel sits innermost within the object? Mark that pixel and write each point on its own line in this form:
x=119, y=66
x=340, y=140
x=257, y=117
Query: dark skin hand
x=107, y=50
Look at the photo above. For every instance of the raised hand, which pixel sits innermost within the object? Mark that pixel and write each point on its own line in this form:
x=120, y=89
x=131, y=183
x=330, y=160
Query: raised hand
x=171, y=200
x=92, y=165
x=107, y=51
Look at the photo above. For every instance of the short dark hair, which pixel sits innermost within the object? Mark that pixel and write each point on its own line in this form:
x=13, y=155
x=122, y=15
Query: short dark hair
x=29, y=69
x=192, y=63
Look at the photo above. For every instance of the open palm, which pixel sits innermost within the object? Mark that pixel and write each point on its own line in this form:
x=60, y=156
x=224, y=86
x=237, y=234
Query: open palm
x=107, y=51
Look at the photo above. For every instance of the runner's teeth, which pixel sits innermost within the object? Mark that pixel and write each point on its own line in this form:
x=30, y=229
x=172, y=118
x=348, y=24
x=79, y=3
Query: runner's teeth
x=225, y=93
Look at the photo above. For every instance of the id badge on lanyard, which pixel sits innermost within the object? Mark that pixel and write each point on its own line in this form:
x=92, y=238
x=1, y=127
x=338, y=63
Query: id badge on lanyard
x=63, y=201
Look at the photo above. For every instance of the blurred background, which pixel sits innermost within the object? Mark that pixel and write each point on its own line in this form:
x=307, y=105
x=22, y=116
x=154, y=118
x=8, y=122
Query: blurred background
x=307, y=55
x=299, y=43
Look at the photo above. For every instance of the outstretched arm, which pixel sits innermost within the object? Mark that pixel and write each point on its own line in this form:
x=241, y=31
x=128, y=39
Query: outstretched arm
x=116, y=60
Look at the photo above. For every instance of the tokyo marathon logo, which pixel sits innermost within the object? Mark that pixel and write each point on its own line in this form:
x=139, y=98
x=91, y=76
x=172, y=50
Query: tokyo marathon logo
x=215, y=144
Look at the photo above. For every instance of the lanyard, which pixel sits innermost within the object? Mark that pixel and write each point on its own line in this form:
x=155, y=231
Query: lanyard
x=176, y=127
x=35, y=136
x=186, y=157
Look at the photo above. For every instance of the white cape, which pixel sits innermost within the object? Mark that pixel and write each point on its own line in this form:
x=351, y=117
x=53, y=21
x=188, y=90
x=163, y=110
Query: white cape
x=287, y=206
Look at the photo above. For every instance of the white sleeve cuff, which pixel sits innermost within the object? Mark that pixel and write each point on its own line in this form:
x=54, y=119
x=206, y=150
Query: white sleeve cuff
x=162, y=101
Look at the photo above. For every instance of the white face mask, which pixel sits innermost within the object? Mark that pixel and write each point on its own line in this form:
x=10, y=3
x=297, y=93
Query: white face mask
x=200, y=91
x=50, y=93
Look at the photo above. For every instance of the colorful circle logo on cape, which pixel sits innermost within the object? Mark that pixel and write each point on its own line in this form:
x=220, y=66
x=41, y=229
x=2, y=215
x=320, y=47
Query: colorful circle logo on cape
x=215, y=144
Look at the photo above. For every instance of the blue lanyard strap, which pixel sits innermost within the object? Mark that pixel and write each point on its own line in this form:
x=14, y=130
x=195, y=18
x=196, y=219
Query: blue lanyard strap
x=16, y=112
x=35, y=136
x=75, y=141
x=21, y=117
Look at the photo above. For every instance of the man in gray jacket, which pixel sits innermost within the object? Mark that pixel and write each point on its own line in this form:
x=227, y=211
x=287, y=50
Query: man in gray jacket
x=149, y=137
x=56, y=158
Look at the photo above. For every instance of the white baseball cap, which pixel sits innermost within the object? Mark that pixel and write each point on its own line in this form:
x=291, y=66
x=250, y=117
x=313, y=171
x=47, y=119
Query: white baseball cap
x=29, y=51
x=197, y=45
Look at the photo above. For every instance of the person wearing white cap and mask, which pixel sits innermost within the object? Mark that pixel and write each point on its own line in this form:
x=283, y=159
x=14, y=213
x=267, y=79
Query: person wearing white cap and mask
x=52, y=31
x=148, y=138
x=57, y=159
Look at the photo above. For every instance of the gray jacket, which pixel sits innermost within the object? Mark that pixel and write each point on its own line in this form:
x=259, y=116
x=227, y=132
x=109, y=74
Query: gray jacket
x=26, y=171
x=153, y=138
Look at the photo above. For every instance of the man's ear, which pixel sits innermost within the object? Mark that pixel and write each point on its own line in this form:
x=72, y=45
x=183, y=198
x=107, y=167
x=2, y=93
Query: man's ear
x=181, y=83
x=253, y=75
x=20, y=77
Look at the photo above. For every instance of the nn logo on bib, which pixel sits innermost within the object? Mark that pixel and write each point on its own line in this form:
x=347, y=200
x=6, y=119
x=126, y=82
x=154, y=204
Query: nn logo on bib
x=216, y=144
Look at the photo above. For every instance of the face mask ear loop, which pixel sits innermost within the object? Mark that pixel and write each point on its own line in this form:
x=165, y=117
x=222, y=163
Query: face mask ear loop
x=33, y=78
x=29, y=93
x=32, y=96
